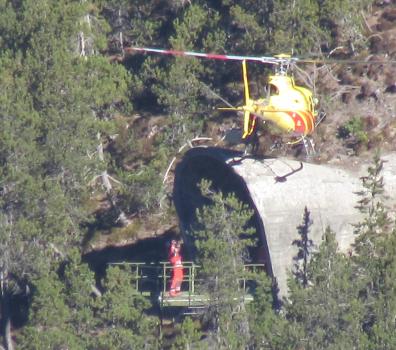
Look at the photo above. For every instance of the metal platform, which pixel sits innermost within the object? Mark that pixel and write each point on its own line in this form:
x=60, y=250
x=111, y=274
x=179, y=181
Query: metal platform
x=153, y=280
x=185, y=299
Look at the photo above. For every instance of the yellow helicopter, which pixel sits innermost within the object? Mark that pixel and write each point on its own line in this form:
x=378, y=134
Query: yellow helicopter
x=290, y=107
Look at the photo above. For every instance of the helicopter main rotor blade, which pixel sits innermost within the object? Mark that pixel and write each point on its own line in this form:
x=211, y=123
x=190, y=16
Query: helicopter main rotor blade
x=270, y=60
x=343, y=61
x=279, y=59
x=245, y=82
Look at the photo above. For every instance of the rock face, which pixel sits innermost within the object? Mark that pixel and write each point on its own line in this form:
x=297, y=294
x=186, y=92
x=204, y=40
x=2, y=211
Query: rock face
x=278, y=190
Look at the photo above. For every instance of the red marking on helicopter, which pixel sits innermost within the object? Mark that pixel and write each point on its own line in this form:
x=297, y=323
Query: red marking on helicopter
x=309, y=120
x=300, y=126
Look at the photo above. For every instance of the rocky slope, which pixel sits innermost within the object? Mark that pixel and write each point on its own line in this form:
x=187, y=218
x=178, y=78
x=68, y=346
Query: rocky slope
x=359, y=100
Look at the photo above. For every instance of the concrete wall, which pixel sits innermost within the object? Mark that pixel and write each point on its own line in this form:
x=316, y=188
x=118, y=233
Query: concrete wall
x=278, y=190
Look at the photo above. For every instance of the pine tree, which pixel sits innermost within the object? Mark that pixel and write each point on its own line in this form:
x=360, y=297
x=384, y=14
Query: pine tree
x=327, y=313
x=374, y=228
x=54, y=102
x=269, y=329
x=69, y=311
x=382, y=313
x=304, y=245
x=21, y=191
x=189, y=337
x=295, y=26
x=62, y=310
x=179, y=88
x=222, y=236
x=375, y=260
x=123, y=323
x=372, y=204
x=250, y=26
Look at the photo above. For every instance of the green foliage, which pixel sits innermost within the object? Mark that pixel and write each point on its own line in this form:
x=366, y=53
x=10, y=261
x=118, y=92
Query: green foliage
x=250, y=28
x=189, y=337
x=376, y=223
x=375, y=259
x=308, y=26
x=135, y=21
x=327, y=312
x=304, y=245
x=66, y=313
x=53, y=105
x=121, y=314
x=62, y=312
x=144, y=30
x=295, y=26
x=221, y=252
x=141, y=191
x=62, y=94
x=354, y=127
x=219, y=229
x=340, y=19
x=59, y=97
x=189, y=28
x=268, y=329
x=381, y=312
x=178, y=87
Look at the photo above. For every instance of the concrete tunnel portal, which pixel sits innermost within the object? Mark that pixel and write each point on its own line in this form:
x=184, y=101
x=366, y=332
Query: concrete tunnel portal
x=201, y=164
x=278, y=190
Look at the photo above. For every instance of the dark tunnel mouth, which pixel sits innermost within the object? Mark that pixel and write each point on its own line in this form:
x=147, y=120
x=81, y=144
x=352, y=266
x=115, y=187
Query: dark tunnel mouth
x=215, y=165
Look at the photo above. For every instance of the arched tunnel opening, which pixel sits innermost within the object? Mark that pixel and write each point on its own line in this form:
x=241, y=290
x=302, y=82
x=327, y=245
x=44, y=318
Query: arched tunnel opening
x=199, y=164
x=215, y=165
x=277, y=190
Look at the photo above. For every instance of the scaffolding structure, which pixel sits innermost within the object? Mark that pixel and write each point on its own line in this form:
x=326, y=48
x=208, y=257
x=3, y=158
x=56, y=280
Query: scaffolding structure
x=153, y=280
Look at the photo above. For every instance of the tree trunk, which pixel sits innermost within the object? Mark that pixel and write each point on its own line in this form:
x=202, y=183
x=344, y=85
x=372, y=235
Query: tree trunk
x=122, y=217
x=6, y=314
x=7, y=334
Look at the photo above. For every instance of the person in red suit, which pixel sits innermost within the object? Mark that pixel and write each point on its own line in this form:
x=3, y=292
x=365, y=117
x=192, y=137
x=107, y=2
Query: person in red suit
x=172, y=248
x=177, y=271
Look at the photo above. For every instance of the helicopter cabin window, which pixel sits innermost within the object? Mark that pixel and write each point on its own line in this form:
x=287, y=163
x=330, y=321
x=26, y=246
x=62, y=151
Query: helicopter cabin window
x=273, y=90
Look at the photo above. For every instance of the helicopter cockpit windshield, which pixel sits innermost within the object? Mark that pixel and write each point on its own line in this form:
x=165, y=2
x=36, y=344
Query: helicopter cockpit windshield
x=273, y=90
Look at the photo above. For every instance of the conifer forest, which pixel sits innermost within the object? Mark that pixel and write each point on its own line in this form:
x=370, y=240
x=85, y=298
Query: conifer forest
x=91, y=132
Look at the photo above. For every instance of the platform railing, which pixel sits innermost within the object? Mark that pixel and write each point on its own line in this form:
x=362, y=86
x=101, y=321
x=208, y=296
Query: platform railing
x=158, y=276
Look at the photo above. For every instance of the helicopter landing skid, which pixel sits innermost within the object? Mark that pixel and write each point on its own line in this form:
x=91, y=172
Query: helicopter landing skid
x=309, y=147
x=321, y=117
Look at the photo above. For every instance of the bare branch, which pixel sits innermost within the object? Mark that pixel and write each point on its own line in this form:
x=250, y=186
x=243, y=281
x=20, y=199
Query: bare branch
x=168, y=169
x=188, y=143
x=95, y=290
x=56, y=250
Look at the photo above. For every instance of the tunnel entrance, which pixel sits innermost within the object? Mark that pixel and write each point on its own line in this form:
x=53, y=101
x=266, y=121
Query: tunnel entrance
x=214, y=164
